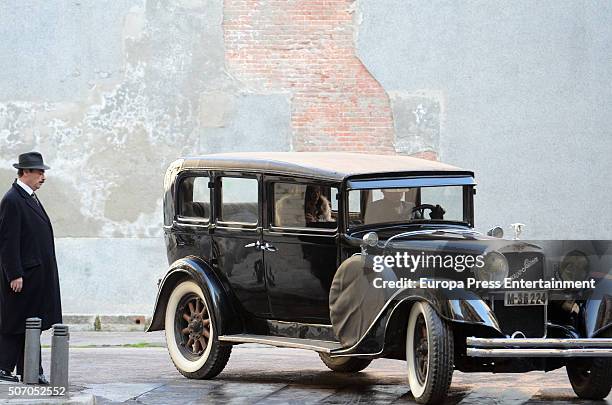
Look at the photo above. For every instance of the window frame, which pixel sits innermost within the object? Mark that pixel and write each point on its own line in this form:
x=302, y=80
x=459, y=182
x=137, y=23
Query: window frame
x=178, y=198
x=466, y=182
x=218, y=200
x=270, y=208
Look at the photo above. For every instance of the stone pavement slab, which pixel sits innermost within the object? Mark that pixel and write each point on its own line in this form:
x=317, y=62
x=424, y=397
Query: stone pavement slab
x=120, y=391
x=264, y=375
x=102, y=366
x=17, y=393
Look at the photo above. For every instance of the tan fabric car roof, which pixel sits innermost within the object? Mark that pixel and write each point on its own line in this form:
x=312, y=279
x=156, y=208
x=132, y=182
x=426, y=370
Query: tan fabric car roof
x=332, y=165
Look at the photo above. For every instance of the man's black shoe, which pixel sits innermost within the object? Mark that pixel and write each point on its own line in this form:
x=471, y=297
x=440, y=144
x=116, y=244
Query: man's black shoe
x=42, y=380
x=8, y=376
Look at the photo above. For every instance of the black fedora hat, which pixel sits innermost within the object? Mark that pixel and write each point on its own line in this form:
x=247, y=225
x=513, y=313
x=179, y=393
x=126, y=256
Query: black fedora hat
x=31, y=160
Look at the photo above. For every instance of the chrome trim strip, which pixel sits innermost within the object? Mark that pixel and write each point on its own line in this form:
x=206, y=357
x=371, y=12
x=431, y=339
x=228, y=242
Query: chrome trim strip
x=431, y=232
x=472, y=352
x=269, y=340
x=316, y=325
x=298, y=231
x=540, y=343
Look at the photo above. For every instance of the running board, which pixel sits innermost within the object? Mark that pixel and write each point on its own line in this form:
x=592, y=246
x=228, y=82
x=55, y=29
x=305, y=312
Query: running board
x=323, y=346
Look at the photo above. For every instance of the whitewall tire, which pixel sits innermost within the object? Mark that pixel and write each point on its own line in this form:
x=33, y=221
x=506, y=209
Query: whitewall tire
x=429, y=354
x=191, y=333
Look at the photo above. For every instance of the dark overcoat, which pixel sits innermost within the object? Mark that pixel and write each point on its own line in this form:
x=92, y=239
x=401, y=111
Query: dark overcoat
x=27, y=250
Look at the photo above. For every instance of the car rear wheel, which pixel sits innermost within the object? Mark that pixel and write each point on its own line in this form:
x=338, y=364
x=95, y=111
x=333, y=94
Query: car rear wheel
x=590, y=378
x=344, y=364
x=191, y=333
x=429, y=354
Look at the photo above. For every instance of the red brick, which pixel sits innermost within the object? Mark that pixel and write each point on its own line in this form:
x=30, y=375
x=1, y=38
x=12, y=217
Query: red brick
x=306, y=48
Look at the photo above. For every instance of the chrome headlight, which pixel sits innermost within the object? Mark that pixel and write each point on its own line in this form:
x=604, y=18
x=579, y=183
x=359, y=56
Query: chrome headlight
x=574, y=267
x=495, y=267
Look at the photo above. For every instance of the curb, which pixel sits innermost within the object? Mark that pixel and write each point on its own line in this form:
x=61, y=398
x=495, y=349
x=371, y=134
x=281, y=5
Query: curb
x=106, y=323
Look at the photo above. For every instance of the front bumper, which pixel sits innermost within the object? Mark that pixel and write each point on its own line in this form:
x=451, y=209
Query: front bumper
x=541, y=347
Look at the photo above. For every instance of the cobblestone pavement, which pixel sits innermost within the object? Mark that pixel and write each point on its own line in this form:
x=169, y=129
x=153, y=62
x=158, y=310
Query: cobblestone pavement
x=265, y=375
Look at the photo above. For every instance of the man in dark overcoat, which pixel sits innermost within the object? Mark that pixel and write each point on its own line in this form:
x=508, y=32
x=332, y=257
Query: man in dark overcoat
x=29, y=283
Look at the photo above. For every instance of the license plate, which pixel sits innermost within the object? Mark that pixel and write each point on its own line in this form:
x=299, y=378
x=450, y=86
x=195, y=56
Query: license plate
x=520, y=298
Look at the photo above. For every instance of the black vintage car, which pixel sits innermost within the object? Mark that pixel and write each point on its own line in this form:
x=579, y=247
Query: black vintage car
x=285, y=249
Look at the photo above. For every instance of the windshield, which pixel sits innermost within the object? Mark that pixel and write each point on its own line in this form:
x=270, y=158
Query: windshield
x=415, y=204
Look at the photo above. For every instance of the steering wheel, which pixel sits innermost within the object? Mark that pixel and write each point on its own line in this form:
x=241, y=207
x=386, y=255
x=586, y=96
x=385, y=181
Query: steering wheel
x=437, y=212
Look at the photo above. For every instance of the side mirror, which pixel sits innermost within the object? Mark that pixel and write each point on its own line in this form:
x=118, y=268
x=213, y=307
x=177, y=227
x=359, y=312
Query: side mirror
x=496, y=232
x=369, y=239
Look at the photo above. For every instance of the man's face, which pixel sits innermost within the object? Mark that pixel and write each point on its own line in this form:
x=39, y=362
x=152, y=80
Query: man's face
x=34, y=178
x=392, y=196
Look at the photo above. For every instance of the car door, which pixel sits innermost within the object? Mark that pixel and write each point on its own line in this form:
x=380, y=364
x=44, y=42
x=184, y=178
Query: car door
x=300, y=250
x=237, y=239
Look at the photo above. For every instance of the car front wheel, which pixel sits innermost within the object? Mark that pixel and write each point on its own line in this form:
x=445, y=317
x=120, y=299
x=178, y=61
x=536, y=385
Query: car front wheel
x=590, y=378
x=191, y=333
x=344, y=364
x=429, y=354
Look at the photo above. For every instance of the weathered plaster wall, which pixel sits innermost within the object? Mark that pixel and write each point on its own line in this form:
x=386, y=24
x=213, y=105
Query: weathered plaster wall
x=519, y=91
x=105, y=276
x=112, y=91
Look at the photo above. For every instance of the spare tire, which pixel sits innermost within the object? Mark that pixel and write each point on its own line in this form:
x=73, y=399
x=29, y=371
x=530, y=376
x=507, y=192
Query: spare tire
x=354, y=303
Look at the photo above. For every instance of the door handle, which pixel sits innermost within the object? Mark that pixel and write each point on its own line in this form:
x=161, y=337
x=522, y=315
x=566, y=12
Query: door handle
x=268, y=247
x=258, y=245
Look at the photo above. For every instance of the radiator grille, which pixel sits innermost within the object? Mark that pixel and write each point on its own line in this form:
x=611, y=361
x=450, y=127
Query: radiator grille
x=531, y=320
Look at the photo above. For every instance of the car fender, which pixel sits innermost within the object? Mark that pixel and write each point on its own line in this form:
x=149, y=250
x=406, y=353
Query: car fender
x=357, y=309
x=597, y=316
x=198, y=270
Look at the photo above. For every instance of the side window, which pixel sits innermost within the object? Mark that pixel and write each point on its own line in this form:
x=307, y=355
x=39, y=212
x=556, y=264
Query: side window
x=355, y=202
x=333, y=200
x=450, y=198
x=356, y=199
x=239, y=200
x=299, y=205
x=194, y=198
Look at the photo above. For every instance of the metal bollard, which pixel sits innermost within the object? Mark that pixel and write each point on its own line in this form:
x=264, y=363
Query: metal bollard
x=31, y=356
x=59, y=356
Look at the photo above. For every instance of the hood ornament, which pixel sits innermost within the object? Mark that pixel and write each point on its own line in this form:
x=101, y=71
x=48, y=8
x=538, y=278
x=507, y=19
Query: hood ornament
x=518, y=229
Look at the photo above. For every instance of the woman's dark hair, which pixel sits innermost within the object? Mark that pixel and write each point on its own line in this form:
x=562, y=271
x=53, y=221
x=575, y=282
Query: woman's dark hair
x=311, y=193
x=313, y=204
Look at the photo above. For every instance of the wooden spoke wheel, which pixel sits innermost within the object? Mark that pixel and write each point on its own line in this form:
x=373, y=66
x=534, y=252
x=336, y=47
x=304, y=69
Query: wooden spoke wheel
x=193, y=324
x=421, y=349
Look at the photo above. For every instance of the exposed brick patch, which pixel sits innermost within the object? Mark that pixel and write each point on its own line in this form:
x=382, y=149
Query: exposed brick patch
x=306, y=48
